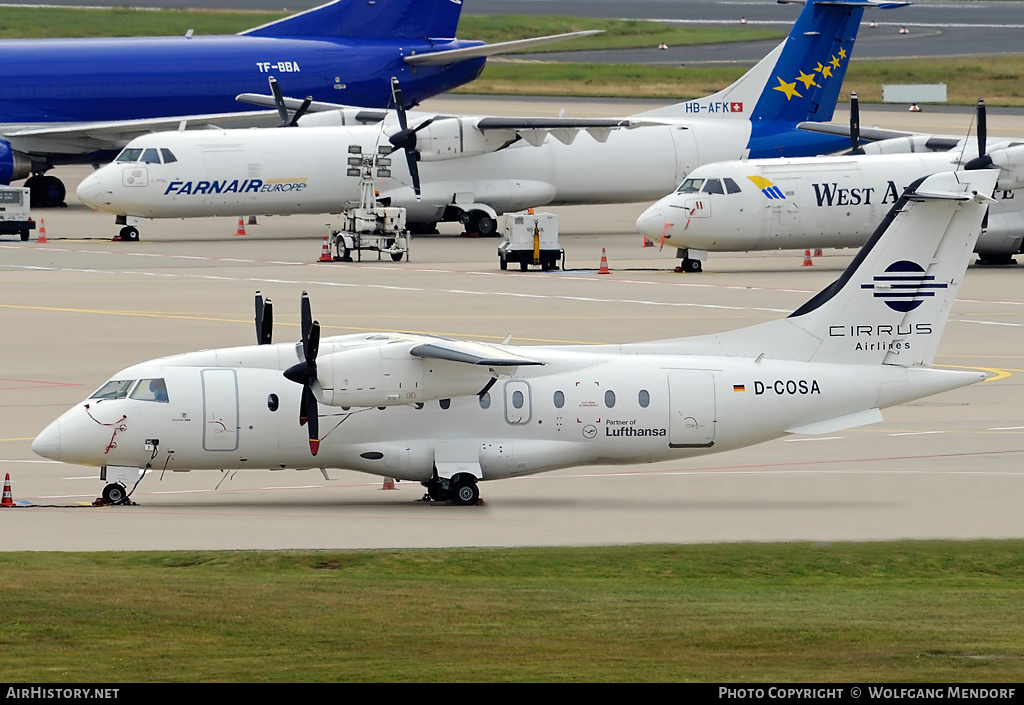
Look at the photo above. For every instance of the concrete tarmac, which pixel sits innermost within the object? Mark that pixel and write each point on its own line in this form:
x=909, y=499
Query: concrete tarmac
x=79, y=308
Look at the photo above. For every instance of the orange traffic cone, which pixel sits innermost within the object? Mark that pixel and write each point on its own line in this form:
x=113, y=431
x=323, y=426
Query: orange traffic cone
x=325, y=252
x=241, y=228
x=604, y=263
x=389, y=484
x=8, y=500
x=42, y=231
x=807, y=259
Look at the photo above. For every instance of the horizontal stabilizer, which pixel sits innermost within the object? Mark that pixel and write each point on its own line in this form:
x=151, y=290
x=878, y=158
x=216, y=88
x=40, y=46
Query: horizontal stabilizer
x=840, y=423
x=440, y=58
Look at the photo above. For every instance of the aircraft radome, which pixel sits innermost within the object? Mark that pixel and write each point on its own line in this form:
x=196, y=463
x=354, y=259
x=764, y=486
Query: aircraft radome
x=450, y=413
x=81, y=100
x=834, y=201
x=471, y=169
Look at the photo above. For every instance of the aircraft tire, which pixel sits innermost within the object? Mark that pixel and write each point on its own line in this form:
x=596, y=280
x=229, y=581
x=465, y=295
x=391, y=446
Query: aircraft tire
x=115, y=493
x=482, y=224
x=692, y=266
x=129, y=233
x=466, y=493
x=436, y=492
x=46, y=191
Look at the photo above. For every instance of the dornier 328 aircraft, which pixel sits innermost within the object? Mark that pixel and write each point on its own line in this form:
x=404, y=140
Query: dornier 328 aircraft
x=833, y=201
x=471, y=169
x=450, y=413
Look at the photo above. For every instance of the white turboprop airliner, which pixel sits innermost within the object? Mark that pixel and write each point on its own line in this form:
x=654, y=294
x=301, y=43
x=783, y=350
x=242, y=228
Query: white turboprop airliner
x=777, y=204
x=471, y=169
x=449, y=413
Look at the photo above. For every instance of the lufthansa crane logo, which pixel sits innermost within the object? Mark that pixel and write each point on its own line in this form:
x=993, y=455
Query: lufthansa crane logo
x=904, y=286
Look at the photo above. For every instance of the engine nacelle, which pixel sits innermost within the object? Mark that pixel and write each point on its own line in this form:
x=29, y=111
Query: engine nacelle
x=1011, y=164
x=387, y=375
x=454, y=137
x=13, y=165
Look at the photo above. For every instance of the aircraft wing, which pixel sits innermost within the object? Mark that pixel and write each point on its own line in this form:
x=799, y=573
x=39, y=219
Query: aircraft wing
x=292, y=104
x=440, y=58
x=471, y=353
x=80, y=137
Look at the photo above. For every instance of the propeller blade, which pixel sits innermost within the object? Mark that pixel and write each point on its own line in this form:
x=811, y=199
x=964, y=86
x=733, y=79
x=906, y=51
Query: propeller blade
x=313, y=418
x=267, y=329
x=275, y=88
x=259, y=318
x=982, y=128
x=312, y=349
x=301, y=111
x=412, y=159
x=307, y=320
x=396, y=93
x=855, y=125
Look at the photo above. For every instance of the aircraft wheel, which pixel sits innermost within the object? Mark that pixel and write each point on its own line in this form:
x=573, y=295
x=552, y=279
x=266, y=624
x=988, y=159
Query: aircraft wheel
x=466, y=493
x=46, y=191
x=115, y=493
x=692, y=265
x=437, y=492
x=481, y=224
x=129, y=233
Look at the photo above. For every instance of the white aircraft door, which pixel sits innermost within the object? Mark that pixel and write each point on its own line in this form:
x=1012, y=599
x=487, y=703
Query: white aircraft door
x=220, y=410
x=691, y=409
x=687, y=158
x=228, y=174
x=518, y=405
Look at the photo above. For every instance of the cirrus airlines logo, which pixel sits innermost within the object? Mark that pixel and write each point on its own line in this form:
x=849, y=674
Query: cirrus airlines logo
x=904, y=286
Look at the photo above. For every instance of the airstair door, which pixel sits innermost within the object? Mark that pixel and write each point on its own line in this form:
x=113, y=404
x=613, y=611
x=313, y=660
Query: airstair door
x=220, y=410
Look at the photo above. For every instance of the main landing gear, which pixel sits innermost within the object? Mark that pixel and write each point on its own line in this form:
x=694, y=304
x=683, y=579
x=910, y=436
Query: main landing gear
x=46, y=191
x=461, y=490
x=116, y=493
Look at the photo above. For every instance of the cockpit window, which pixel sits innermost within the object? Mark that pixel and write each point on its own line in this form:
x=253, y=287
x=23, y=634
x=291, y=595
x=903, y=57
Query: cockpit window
x=713, y=186
x=129, y=154
x=151, y=390
x=168, y=155
x=690, y=186
x=151, y=156
x=114, y=389
x=731, y=186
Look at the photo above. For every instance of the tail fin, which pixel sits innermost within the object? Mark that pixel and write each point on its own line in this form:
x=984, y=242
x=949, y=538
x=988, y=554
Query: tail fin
x=891, y=304
x=383, y=19
x=799, y=80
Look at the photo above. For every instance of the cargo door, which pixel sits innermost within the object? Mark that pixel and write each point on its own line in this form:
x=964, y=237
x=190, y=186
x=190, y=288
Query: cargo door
x=691, y=410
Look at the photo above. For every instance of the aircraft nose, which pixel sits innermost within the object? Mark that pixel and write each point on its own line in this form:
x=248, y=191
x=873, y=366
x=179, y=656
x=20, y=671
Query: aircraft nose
x=47, y=443
x=92, y=189
x=651, y=222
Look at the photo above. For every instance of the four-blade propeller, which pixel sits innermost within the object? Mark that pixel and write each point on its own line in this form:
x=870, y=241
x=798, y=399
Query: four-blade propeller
x=406, y=138
x=304, y=373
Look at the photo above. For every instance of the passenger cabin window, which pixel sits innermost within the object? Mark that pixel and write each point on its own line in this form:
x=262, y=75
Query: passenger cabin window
x=559, y=400
x=731, y=186
x=644, y=398
x=485, y=400
x=151, y=390
x=114, y=389
x=690, y=186
x=445, y=403
x=609, y=399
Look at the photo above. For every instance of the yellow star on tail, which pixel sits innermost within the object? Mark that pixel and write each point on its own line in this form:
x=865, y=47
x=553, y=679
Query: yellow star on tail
x=788, y=88
x=807, y=80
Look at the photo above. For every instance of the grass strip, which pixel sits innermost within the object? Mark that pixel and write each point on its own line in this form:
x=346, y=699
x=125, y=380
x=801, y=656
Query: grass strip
x=897, y=612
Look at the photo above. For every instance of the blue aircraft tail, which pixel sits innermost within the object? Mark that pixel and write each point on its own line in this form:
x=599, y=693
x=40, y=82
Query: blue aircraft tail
x=383, y=19
x=799, y=80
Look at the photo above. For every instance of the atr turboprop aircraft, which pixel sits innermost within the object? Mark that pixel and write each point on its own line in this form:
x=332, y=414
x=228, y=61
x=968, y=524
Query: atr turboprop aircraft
x=471, y=169
x=81, y=100
x=835, y=201
x=450, y=413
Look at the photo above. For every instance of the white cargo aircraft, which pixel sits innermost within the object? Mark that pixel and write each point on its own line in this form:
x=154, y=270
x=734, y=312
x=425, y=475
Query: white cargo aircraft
x=474, y=168
x=449, y=413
